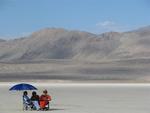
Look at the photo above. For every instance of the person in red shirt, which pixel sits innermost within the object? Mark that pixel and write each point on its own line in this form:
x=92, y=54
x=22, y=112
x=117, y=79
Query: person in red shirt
x=44, y=100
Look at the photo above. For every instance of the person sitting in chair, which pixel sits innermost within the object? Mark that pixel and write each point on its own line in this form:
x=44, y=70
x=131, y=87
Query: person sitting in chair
x=35, y=101
x=26, y=101
x=44, y=100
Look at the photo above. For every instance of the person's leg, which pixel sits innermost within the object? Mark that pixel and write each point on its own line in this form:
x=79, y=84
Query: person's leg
x=42, y=105
x=36, y=105
x=47, y=106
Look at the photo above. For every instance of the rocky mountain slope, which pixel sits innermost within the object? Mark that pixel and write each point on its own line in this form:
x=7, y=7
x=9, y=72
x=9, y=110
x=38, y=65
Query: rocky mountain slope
x=52, y=43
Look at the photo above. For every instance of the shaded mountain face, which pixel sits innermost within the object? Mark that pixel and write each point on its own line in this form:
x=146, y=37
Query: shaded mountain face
x=1, y=40
x=54, y=43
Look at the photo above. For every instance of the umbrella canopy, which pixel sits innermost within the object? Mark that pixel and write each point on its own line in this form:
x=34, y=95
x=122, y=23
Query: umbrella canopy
x=23, y=86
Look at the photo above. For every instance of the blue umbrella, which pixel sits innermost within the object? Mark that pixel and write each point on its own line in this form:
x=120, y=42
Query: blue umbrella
x=23, y=86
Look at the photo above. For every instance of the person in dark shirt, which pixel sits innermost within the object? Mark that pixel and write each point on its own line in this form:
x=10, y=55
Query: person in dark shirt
x=35, y=100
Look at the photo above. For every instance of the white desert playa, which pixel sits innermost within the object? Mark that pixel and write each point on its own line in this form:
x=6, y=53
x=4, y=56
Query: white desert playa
x=83, y=98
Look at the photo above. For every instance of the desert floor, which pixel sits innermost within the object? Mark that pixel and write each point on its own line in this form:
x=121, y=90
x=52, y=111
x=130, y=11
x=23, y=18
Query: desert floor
x=83, y=98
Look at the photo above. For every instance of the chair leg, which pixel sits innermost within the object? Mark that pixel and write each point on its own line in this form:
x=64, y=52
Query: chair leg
x=48, y=106
x=26, y=107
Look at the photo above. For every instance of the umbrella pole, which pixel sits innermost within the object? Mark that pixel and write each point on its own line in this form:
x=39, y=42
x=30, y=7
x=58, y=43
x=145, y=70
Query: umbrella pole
x=22, y=102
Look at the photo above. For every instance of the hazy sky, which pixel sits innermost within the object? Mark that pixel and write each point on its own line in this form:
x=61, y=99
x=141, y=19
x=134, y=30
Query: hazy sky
x=21, y=17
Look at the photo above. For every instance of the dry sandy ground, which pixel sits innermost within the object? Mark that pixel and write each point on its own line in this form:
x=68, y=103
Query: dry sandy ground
x=137, y=70
x=84, y=98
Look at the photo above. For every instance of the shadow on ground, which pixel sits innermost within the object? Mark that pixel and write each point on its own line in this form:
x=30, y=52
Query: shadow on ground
x=55, y=109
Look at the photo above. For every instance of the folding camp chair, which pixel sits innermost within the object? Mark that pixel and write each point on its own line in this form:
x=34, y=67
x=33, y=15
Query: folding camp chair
x=27, y=104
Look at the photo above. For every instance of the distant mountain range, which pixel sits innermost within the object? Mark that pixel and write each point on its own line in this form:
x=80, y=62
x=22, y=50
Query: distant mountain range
x=52, y=43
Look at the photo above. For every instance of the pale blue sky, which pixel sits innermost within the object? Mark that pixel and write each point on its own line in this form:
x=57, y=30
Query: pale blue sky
x=21, y=17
